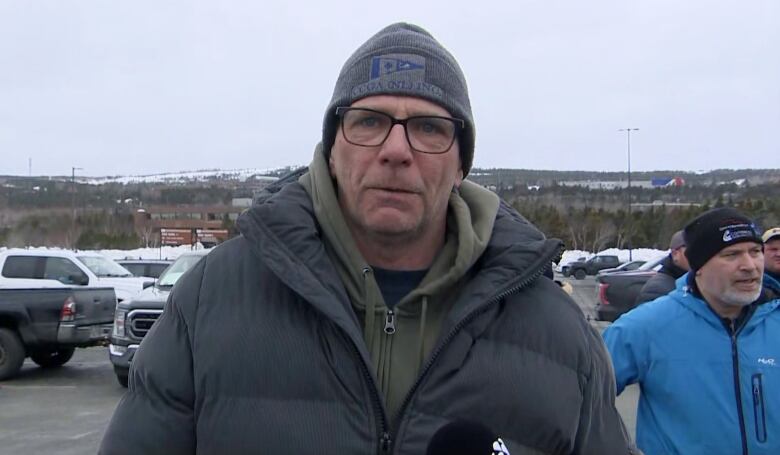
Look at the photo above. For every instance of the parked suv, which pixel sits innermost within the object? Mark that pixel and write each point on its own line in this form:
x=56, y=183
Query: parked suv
x=134, y=318
x=580, y=269
x=149, y=268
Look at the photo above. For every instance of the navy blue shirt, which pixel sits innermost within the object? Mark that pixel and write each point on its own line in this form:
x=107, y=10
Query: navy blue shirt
x=395, y=284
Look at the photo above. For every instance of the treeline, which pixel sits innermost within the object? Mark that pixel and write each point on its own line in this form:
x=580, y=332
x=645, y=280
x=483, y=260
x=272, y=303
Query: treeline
x=48, y=194
x=596, y=229
x=90, y=230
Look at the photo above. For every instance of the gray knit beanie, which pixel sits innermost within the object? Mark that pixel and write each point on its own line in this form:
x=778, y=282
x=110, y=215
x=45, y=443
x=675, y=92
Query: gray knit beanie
x=403, y=59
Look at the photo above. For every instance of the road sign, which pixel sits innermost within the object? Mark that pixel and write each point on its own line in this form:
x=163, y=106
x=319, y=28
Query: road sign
x=212, y=236
x=175, y=237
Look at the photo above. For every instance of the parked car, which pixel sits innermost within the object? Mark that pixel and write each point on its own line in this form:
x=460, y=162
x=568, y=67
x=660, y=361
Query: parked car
x=134, y=318
x=21, y=268
x=580, y=269
x=618, y=290
x=564, y=268
x=148, y=268
x=47, y=324
x=624, y=267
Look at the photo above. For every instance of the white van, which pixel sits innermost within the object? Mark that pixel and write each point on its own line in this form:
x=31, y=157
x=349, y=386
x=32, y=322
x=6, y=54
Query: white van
x=21, y=268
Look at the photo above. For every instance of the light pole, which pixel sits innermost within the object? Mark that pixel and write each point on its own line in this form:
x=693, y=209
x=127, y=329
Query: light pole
x=73, y=204
x=628, y=232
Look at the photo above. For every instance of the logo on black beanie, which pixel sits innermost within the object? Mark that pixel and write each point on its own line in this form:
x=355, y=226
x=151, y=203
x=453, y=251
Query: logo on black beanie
x=714, y=230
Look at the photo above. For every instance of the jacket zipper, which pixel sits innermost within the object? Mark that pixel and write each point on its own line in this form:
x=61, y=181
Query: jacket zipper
x=385, y=442
x=733, y=333
x=758, y=407
x=459, y=326
x=390, y=322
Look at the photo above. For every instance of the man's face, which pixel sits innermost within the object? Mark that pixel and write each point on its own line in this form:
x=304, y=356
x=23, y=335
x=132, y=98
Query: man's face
x=679, y=259
x=772, y=255
x=390, y=190
x=732, y=278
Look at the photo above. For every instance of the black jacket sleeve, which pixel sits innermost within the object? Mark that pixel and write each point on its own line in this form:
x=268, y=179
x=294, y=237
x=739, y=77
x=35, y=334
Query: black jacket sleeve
x=601, y=429
x=658, y=285
x=156, y=415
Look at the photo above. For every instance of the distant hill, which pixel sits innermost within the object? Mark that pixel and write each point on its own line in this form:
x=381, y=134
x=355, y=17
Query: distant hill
x=39, y=210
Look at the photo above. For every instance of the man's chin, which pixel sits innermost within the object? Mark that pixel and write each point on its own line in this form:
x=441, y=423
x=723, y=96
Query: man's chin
x=741, y=299
x=391, y=225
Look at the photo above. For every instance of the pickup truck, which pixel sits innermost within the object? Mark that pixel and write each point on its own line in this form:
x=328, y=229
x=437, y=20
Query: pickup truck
x=580, y=269
x=618, y=291
x=40, y=268
x=134, y=318
x=47, y=324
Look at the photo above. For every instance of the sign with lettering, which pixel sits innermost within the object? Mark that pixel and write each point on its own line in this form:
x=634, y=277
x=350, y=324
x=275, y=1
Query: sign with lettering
x=175, y=237
x=212, y=236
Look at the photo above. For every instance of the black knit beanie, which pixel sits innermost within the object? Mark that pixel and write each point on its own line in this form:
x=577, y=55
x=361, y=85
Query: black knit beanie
x=714, y=230
x=403, y=59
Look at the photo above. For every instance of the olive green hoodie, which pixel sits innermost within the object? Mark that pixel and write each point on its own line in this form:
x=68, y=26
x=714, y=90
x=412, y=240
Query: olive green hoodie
x=399, y=340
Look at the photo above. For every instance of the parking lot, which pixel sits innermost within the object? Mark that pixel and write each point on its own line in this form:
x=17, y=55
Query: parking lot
x=64, y=411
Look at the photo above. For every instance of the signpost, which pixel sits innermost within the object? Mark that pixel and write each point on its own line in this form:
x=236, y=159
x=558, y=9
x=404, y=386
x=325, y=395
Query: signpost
x=175, y=237
x=211, y=236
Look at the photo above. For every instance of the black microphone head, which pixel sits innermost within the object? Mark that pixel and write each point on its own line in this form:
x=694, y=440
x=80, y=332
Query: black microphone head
x=461, y=437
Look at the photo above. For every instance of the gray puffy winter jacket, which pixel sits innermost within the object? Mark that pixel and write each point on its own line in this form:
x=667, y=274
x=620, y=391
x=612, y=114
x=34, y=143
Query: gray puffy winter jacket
x=259, y=352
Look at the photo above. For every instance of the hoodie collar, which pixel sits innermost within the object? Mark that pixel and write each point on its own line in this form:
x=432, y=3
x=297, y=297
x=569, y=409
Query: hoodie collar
x=472, y=212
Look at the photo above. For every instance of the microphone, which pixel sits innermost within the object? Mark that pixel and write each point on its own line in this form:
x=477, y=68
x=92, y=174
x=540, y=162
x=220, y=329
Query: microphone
x=461, y=437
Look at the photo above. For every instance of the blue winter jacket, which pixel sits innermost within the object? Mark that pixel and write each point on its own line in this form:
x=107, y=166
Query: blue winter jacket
x=687, y=363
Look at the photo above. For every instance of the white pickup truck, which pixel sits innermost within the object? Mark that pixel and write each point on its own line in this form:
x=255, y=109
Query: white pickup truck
x=40, y=268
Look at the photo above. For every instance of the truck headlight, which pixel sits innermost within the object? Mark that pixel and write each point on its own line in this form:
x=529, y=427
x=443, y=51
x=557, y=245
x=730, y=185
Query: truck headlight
x=119, y=323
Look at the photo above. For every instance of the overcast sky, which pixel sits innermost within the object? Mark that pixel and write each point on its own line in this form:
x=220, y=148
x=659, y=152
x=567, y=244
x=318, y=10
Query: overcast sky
x=149, y=86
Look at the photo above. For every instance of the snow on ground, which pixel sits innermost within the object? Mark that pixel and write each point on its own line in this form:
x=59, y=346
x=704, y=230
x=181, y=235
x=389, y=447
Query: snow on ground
x=172, y=252
x=166, y=252
x=639, y=254
x=185, y=176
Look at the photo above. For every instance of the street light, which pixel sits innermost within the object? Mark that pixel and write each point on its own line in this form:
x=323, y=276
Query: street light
x=73, y=204
x=628, y=232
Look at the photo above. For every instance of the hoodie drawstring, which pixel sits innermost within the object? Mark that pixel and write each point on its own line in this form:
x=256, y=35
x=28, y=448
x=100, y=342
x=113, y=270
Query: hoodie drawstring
x=368, y=323
x=421, y=335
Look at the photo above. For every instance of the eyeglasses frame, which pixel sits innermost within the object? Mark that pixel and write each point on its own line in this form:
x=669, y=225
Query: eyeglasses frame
x=459, y=124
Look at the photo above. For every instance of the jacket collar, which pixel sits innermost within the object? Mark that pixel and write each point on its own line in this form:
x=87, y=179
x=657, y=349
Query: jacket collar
x=684, y=295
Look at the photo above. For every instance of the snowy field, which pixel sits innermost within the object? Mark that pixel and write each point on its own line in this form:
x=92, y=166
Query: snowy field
x=639, y=254
x=171, y=252
x=166, y=252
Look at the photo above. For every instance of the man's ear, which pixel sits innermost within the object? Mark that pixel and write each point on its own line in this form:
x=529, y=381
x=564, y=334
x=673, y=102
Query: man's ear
x=458, y=178
x=331, y=165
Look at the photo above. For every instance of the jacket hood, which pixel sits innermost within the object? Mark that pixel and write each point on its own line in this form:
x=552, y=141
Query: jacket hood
x=470, y=222
x=488, y=230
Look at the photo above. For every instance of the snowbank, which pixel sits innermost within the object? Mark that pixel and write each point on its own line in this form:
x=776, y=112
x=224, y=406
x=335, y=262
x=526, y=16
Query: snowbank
x=639, y=254
x=166, y=252
x=173, y=252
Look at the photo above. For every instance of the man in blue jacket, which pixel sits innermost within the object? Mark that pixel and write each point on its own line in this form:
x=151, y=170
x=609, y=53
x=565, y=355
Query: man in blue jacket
x=707, y=355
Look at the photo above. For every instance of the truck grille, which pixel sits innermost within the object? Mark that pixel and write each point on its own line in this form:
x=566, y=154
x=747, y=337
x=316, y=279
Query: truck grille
x=140, y=321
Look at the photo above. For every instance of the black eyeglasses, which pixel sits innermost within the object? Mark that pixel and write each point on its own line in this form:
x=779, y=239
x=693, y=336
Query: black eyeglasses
x=425, y=133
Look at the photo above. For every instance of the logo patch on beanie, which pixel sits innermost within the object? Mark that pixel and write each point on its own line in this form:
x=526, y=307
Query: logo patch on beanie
x=397, y=74
x=381, y=66
x=738, y=231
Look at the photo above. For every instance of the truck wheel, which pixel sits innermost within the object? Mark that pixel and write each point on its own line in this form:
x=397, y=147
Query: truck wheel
x=566, y=272
x=580, y=274
x=52, y=359
x=121, y=376
x=11, y=353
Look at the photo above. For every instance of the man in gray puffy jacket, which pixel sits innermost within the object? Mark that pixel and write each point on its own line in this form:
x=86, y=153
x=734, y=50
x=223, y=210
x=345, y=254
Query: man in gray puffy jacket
x=374, y=298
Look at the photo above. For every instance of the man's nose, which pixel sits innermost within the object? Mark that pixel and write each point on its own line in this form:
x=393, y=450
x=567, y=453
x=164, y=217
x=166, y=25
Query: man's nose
x=748, y=262
x=396, y=147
